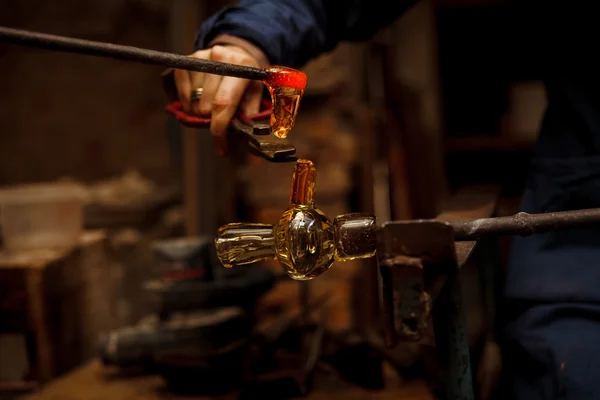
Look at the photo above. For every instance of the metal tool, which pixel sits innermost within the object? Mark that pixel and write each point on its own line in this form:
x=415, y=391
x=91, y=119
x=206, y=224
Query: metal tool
x=254, y=129
x=525, y=224
x=128, y=53
x=201, y=330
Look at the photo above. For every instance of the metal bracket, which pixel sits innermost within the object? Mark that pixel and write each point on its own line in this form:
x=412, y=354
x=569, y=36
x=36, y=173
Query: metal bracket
x=413, y=256
x=419, y=270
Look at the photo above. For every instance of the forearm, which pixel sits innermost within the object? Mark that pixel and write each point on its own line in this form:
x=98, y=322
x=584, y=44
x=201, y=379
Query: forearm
x=291, y=32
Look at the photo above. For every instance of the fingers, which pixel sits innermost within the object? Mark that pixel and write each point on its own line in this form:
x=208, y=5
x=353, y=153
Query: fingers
x=197, y=81
x=211, y=85
x=184, y=88
x=225, y=103
x=186, y=81
x=221, y=96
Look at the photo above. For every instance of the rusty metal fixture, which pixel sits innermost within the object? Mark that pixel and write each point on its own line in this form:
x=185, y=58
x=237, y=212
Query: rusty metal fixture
x=410, y=310
x=419, y=271
x=412, y=256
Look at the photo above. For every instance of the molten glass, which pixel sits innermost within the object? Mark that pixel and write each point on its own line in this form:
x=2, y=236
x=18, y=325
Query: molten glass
x=286, y=87
x=304, y=240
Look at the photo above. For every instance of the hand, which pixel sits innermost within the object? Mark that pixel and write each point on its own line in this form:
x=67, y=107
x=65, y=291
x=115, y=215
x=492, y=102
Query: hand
x=222, y=96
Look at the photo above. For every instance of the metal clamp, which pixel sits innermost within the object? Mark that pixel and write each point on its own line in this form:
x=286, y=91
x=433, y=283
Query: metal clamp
x=419, y=270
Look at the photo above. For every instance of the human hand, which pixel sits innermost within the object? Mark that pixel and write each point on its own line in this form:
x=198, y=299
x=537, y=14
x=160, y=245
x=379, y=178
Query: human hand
x=222, y=96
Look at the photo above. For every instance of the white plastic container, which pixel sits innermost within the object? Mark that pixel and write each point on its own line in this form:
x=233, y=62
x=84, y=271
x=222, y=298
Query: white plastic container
x=41, y=216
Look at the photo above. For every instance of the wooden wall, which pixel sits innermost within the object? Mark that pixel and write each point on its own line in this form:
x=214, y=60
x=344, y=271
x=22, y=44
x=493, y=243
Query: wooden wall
x=86, y=117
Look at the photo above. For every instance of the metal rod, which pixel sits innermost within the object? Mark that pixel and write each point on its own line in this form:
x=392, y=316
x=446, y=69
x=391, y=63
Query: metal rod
x=129, y=53
x=524, y=224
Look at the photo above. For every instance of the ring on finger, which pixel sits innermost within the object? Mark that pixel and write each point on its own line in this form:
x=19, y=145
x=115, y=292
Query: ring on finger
x=196, y=94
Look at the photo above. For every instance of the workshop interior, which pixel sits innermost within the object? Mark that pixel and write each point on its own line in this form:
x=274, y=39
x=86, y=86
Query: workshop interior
x=361, y=254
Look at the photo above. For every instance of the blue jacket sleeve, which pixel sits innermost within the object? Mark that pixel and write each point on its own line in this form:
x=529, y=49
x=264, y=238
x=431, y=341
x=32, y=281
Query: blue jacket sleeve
x=291, y=32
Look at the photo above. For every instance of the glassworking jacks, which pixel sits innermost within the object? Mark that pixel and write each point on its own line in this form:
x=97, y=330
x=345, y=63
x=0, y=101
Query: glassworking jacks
x=257, y=129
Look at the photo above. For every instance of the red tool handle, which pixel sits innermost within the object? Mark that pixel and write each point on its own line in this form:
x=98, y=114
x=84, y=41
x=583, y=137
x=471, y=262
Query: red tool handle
x=194, y=121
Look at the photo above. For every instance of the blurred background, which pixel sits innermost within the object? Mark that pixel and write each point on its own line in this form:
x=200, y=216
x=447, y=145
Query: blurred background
x=438, y=102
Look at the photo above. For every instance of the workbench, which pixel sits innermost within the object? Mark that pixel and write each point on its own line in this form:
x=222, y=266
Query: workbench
x=93, y=381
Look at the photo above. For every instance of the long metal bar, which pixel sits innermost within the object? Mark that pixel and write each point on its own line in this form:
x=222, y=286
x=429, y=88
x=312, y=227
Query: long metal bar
x=524, y=224
x=129, y=53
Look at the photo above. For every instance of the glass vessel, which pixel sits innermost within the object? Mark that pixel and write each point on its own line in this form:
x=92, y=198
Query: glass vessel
x=304, y=241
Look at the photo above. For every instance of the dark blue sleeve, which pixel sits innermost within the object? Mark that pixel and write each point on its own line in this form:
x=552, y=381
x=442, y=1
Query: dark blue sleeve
x=291, y=32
